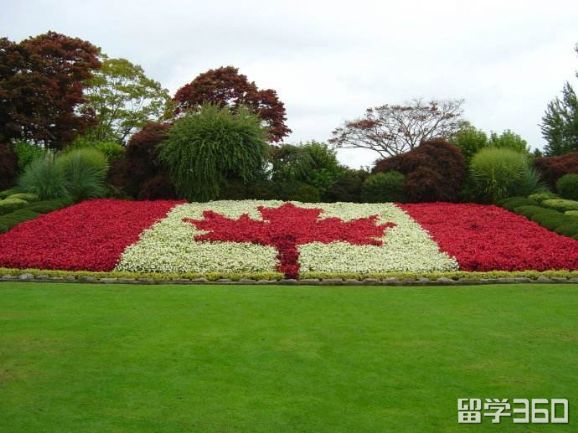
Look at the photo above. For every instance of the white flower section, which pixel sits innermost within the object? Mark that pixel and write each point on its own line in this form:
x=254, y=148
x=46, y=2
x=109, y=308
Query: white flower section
x=169, y=245
x=406, y=247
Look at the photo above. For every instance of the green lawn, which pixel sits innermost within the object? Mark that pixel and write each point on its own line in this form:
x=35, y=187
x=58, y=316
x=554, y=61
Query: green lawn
x=94, y=358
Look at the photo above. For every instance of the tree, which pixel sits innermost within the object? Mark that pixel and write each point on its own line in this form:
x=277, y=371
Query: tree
x=508, y=139
x=560, y=123
x=469, y=139
x=395, y=129
x=206, y=148
x=225, y=87
x=123, y=99
x=41, y=84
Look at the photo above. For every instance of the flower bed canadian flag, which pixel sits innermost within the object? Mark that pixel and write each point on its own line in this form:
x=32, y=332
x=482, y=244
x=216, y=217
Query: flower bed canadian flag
x=290, y=238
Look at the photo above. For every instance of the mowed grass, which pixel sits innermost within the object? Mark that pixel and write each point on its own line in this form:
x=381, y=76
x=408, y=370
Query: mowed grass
x=98, y=358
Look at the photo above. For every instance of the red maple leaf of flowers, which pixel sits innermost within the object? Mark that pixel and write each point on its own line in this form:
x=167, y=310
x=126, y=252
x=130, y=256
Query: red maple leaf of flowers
x=287, y=227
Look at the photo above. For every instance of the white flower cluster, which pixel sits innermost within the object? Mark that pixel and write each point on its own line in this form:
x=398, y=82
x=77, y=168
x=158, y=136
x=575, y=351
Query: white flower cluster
x=169, y=245
x=407, y=247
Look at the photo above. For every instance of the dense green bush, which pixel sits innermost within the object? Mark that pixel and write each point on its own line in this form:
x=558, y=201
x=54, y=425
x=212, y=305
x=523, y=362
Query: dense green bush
x=44, y=178
x=573, y=213
x=26, y=196
x=500, y=173
x=567, y=186
x=27, y=152
x=84, y=171
x=110, y=149
x=205, y=148
x=548, y=218
x=561, y=204
x=298, y=191
x=513, y=203
x=30, y=211
x=384, y=187
x=8, y=166
x=347, y=186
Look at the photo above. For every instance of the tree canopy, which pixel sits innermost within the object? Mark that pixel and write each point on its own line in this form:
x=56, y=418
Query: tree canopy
x=123, y=99
x=225, y=87
x=391, y=130
x=41, y=88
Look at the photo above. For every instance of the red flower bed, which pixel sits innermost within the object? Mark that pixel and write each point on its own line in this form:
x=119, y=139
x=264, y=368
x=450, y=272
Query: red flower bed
x=485, y=238
x=89, y=236
x=285, y=228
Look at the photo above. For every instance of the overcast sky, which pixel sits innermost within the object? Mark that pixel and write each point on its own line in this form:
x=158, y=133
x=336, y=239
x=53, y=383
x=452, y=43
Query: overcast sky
x=330, y=60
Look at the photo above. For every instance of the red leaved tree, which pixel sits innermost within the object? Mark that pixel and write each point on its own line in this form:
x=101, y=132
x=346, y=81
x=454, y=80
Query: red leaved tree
x=287, y=227
x=41, y=86
x=226, y=87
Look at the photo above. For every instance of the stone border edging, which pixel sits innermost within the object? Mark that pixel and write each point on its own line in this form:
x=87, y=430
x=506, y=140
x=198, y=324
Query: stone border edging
x=422, y=281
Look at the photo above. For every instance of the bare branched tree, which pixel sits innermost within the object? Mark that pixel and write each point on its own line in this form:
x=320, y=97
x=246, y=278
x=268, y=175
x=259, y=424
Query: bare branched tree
x=394, y=129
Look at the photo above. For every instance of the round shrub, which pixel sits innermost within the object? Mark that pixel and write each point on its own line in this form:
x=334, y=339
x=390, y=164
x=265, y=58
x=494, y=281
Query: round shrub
x=110, y=149
x=11, y=204
x=567, y=186
x=561, y=204
x=26, y=196
x=205, y=148
x=541, y=196
x=84, y=172
x=572, y=213
x=434, y=171
x=500, y=173
x=347, y=186
x=384, y=187
x=513, y=203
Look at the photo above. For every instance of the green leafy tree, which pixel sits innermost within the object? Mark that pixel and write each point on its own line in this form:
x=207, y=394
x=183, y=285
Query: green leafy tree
x=469, y=139
x=206, y=148
x=508, y=140
x=124, y=99
x=560, y=123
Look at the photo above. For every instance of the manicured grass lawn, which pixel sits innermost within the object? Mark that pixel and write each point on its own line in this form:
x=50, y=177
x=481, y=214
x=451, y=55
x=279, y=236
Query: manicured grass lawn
x=97, y=358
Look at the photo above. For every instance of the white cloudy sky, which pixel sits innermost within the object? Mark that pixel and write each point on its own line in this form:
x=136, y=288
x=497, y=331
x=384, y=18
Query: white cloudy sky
x=329, y=60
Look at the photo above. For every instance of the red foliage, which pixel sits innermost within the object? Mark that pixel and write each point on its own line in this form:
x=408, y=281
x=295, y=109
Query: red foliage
x=135, y=171
x=287, y=227
x=434, y=171
x=88, y=236
x=41, y=85
x=554, y=167
x=8, y=166
x=226, y=87
x=487, y=238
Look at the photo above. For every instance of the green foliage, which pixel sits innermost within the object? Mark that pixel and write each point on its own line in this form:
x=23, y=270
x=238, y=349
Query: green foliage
x=84, y=171
x=44, y=178
x=508, y=140
x=513, y=203
x=560, y=123
x=573, y=213
x=205, y=148
x=541, y=196
x=313, y=163
x=548, y=218
x=500, y=173
x=29, y=211
x=26, y=196
x=298, y=191
x=347, y=186
x=567, y=186
x=561, y=204
x=27, y=152
x=124, y=100
x=110, y=149
x=11, y=204
x=469, y=140
x=384, y=187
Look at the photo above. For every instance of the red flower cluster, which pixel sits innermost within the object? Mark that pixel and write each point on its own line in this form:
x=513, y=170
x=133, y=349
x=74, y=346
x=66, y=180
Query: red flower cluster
x=88, y=236
x=486, y=238
x=285, y=228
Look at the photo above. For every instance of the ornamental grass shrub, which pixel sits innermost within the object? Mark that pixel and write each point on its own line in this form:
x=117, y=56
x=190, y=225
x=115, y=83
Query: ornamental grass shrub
x=384, y=187
x=44, y=178
x=205, y=148
x=84, y=172
x=567, y=186
x=500, y=173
